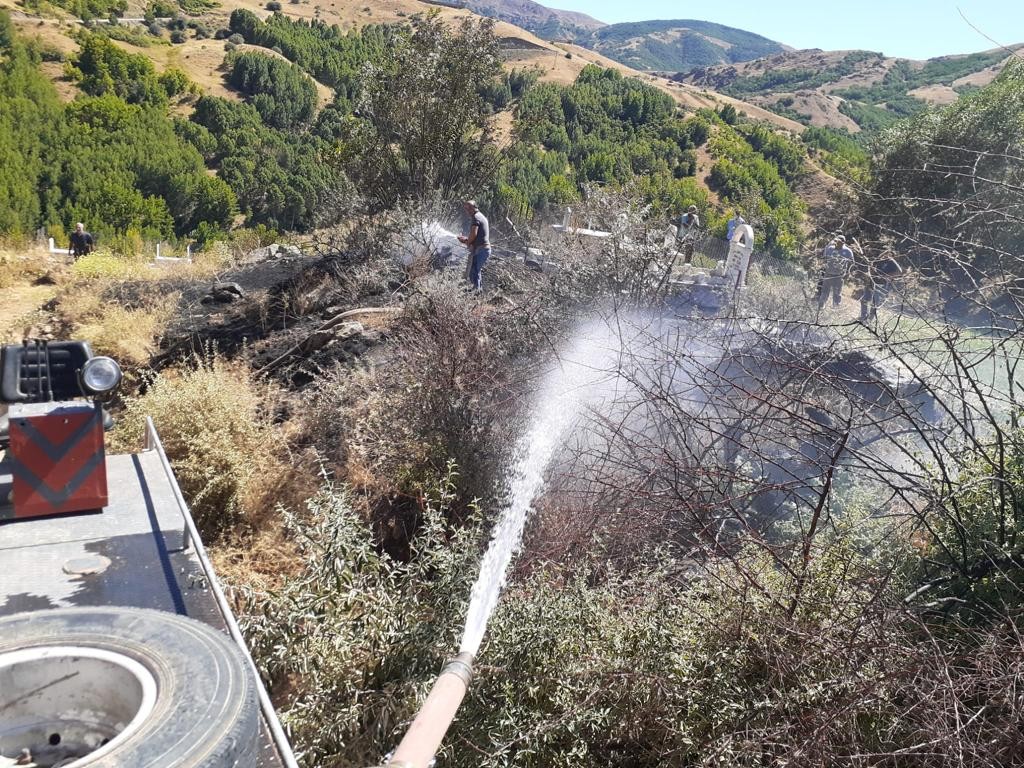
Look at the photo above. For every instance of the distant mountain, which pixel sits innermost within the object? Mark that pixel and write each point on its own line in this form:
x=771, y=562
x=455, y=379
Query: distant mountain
x=549, y=23
x=678, y=45
x=674, y=46
x=855, y=90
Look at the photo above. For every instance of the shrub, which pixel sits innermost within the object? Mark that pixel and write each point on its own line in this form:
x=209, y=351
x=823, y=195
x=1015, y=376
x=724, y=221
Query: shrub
x=51, y=53
x=214, y=421
x=236, y=39
x=178, y=37
x=103, y=265
x=377, y=619
x=273, y=5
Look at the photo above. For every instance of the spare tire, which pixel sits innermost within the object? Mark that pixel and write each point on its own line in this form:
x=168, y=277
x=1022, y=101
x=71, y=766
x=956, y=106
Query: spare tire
x=124, y=688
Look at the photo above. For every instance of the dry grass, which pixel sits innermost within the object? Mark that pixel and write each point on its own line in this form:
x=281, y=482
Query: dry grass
x=90, y=308
x=19, y=266
x=24, y=289
x=127, y=335
x=217, y=426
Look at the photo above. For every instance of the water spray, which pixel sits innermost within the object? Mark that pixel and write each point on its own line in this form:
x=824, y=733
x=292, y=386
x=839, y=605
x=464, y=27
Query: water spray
x=575, y=382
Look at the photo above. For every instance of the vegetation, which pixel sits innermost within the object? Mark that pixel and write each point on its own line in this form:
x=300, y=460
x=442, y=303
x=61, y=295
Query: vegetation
x=925, y=171
x=222, y=460
x=100, y=68
x=280, y=92
x=800, y=78
x=903, y=77
x=841, y=154
x=330, y=55
x=752, y=168
x=693, y=44
x=113, y=163
x=87, y=10
x=771, y=536
x=602, y=129
x=278, y=178
x=412, y=143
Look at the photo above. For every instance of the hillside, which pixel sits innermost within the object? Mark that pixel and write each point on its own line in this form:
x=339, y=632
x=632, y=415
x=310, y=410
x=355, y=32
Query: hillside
x=852, y=90
x=679, y=45
x=202, y=59
x=549, y=23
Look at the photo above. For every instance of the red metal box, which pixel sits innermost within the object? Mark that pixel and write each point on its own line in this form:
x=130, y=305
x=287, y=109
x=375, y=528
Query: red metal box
x=57, y=459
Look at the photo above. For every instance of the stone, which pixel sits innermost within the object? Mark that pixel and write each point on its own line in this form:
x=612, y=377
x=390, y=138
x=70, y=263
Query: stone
x=348, y=330
x=223, y=293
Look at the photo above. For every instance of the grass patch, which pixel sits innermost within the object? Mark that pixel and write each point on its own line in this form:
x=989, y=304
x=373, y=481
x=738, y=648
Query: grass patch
x=127, y=335
x=216, y=425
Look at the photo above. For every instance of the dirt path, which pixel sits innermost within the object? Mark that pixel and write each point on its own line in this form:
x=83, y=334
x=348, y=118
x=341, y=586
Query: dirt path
x=22, y=308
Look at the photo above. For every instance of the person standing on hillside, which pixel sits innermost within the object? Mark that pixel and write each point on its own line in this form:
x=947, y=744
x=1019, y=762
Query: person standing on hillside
x=838, y=258
x=478, y=241
x=881, y=274
x=81, y=242
x=686, y=232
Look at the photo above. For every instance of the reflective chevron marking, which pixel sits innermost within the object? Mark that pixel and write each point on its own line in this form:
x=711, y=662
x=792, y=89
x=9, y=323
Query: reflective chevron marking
x=57, y=452
x=57, y=460
x=56, y=498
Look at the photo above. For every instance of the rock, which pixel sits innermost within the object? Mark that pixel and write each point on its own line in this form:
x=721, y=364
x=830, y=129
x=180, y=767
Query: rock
x=272, y=251
x=316, y=340
x=348, y=330
x=223, y=293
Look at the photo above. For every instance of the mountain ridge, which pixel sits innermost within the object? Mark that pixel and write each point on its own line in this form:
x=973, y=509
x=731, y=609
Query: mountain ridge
x=854, y=90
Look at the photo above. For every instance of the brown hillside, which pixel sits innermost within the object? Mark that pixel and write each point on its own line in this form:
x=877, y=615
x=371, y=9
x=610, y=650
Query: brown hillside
x=559, y=62
x=821, y=103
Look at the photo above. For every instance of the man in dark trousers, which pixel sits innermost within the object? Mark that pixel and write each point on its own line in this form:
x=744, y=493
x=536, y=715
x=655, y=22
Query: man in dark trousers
x=81, y=242
x=881, y=274
x=686, y=232
x=478, y=241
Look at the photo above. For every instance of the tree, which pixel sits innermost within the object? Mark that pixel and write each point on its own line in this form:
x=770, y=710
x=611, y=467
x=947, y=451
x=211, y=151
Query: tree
x=424, y=130
x=281, y=92
x=950, y=179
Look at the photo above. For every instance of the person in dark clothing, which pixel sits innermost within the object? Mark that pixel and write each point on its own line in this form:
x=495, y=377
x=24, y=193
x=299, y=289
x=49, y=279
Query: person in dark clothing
x=686, y=232
x=478, y=241
x=882, y=273
x=81, y=242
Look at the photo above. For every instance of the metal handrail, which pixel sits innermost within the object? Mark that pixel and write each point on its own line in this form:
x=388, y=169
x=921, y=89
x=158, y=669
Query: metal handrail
x=284, y=748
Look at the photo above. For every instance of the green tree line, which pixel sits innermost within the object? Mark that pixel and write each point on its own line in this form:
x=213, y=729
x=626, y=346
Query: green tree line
x=111, y=158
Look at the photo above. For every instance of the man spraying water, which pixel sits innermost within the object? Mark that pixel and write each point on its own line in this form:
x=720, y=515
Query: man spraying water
x=478, y=241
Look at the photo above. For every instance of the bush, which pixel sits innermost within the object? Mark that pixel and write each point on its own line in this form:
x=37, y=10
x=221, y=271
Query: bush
x=273, y=5
x=376, y=619
x=214, y=421
x=178, y=37
x=101, y=265
x=236, y=39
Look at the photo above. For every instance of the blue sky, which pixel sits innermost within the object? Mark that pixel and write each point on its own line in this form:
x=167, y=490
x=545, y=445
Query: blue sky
x=914, y=29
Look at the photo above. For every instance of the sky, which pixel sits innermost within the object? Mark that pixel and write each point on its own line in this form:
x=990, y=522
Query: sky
x=913, y=29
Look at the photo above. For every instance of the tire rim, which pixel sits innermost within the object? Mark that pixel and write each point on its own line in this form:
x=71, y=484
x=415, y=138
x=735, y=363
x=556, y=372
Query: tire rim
x=70, y=705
